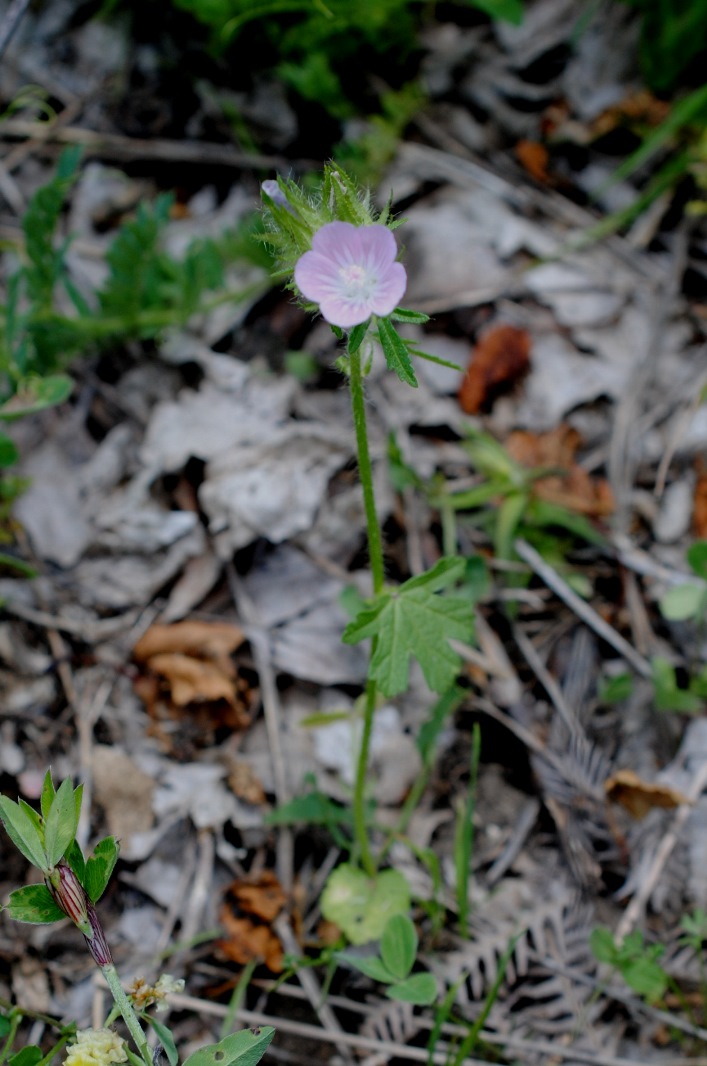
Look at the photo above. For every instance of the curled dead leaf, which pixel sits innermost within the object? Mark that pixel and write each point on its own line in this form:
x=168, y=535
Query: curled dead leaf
x=571, y=486
x=192, y=680
x=190, y=663
x=261, y=895
x=244, y=783
x=500, y=359
x=639, y=797
x=699, y=505
x=250, y=904
x=534, y=158
x=214, y=641
x=247, y=942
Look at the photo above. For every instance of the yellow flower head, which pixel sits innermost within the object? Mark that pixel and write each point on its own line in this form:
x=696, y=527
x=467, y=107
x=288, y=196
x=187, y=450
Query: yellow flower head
x=96, y=1047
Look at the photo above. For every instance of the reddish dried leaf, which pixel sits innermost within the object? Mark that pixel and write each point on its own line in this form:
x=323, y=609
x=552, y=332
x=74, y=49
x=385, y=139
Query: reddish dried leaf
x=261, y=895
x=248, y=942
x=699, y=508
x=500, y=359
x=571, y=487
x=534, y=158
x=639, y=797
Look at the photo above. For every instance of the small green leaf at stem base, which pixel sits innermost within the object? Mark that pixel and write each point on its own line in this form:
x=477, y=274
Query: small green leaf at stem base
x=34, y=903
x=684, y=601
x=165, y=1037
x=697, y=558
x=27, y=1056
x=36, y=395
x=399, y=946
x=420, y=989
x=361, y=905
x=370, y=965
x=241, y=1049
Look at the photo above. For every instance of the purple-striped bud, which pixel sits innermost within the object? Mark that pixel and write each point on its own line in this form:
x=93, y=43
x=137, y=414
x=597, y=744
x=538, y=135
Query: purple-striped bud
x=70, y=895
x=271, y=189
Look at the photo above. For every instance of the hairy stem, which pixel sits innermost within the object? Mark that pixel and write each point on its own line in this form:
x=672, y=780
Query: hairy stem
x=126, y=1009
x=365, y=470
x=375, y=552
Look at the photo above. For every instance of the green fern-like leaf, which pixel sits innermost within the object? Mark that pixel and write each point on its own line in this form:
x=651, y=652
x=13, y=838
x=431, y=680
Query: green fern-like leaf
x=46, y=262
x=136, y=268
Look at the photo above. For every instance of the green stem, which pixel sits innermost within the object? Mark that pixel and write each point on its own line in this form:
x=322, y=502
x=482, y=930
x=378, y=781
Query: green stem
x=12, y=1033
x=365, y=470
x=126, y=1009
x=375, y=552
x=359, y=796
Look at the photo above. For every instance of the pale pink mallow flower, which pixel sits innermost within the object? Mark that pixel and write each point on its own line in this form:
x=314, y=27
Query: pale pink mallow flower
x=351, y=273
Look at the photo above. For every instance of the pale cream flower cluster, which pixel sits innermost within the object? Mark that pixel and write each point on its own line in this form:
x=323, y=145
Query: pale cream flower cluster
x=96, y=1047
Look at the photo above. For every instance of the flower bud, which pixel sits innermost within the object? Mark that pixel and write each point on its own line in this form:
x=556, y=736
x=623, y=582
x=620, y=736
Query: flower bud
x=70, y=895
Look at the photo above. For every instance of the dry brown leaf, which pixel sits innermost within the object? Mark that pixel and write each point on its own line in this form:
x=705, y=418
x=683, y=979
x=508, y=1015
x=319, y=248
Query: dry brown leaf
x=639, y=797
x=500, y=359
x=214, y=641
x=572, y=487
x=534, y=158
x=261, y=895
x=248, y=942
x=699, y=507
x=245, y=784
x=192, y=680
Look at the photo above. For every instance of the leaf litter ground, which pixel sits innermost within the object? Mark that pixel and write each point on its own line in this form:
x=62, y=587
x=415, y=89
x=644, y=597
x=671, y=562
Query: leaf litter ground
x=194, y=518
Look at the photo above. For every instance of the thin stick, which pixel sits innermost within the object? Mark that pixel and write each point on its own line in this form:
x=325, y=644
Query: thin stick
x=115, y=146
x=390, y=1048
x=12, y=19
x=310, y=986
x=313, y=1032
x=588, y=615
x=546, y=680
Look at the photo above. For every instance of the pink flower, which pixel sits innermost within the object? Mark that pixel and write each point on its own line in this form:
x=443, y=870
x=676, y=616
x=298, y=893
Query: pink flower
x=351, y=273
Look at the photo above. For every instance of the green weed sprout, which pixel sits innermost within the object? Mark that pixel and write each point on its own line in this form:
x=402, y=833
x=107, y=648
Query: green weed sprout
x=636, y=961
x=393, y=966
x=72, y=886
x=338, y=255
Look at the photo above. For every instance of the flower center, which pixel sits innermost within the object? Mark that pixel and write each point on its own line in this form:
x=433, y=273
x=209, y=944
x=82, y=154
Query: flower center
x=357, y=283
